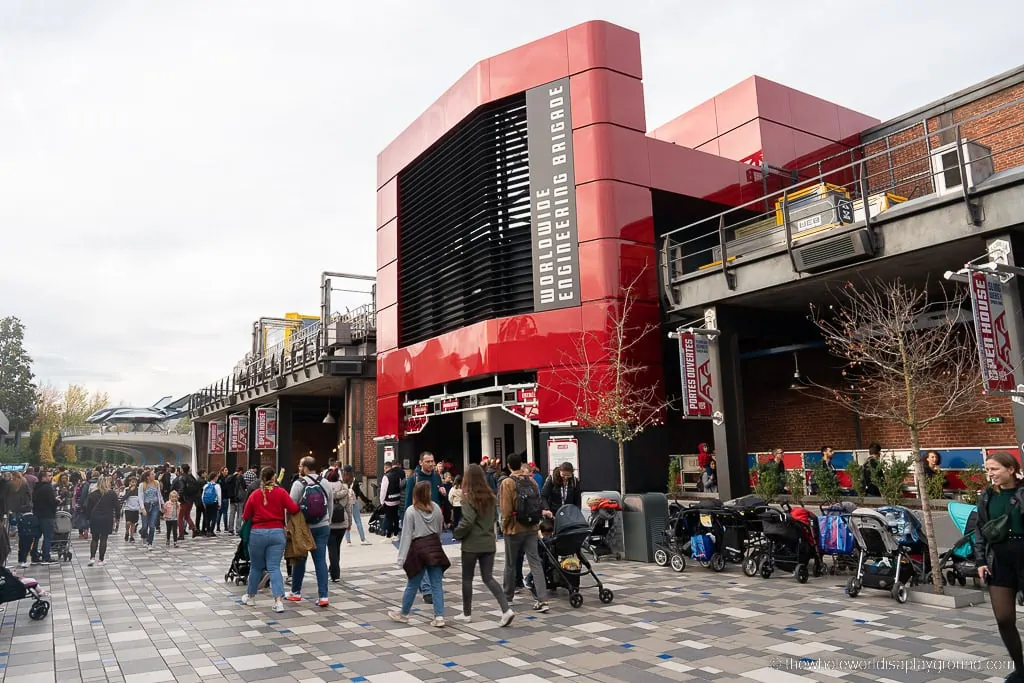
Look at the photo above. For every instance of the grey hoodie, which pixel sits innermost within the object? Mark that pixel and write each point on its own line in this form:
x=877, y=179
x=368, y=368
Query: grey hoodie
x=418, y=524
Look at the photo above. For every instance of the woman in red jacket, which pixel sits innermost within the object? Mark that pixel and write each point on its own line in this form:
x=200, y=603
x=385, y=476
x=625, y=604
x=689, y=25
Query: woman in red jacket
x=265, y=509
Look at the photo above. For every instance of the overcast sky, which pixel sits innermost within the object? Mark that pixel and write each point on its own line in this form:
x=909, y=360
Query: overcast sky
x=170, y=171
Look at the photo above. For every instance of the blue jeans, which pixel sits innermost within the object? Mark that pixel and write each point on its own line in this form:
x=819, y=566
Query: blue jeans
x=430, y=581
x=320, y=536
x=150, y=520
x=222, y=517
x=266, y=550
x=45, y=533
x=357, y=519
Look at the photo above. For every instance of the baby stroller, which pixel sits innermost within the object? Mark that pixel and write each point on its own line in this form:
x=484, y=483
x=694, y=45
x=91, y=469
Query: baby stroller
x=791, y=544
x=889, y=539
x=562, y=556
x=711, y=533
x=14, y=588
x=835, y=539
x=602, y=524
x=957, y=563
x=60, y=546
x=239, y=569
x=376, y=523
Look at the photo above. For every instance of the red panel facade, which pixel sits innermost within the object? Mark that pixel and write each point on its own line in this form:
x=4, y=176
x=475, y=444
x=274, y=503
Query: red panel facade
x=616, y=165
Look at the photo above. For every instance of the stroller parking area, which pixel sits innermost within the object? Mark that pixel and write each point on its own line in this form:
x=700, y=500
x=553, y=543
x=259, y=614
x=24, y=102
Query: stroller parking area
x=169, y=616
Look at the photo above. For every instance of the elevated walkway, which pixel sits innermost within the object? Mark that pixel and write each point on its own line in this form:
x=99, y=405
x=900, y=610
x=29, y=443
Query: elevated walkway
x=151, y=447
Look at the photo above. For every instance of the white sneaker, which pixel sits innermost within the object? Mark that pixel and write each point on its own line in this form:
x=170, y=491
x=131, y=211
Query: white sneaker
x=248, y=600
x=506, y=617
x=463, y=618
x=100, y=563
x=92, y=562
x=278, y=605
x=438, y=622
x=26, y=565
x=364, y=542
x=398, y=616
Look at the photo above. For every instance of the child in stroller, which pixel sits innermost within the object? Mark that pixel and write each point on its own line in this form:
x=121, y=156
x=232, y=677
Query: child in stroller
x=14, y=588
x=561, y=555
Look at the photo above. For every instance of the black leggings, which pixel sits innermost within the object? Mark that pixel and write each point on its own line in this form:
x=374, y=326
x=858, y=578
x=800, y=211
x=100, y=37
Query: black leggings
x=391, y=521
x=172, y=530
x=486, y=561
x=98, y=541
x=1006, y=578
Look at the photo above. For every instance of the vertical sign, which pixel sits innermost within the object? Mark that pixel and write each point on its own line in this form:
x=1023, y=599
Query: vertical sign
x=695, y=366
x=556, y=272
x=564, y=450
x=238, y=433
x=498, y=455
x=266, y=429
x=215, y=443
x=993, y=338
x=389, y=454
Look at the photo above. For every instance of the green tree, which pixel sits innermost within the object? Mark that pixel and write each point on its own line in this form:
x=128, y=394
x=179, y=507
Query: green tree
x=17, y=392
x=936, y=484
x=855, y=471
x=891, y=477
x=674, y=472
x=183, y=426
x=975, y=479
x=769, y=482
x=826, y=483
x=796, y=483
x=898, y=371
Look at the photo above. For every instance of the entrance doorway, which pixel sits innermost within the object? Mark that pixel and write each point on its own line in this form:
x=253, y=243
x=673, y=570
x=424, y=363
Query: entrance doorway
x=443, y=437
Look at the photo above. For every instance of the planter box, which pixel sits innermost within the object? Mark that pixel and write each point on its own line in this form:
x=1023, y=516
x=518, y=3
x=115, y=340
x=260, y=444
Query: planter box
x=954, y=597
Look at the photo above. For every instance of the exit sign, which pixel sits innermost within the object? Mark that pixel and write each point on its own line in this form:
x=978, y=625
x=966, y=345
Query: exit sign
x=994, y=420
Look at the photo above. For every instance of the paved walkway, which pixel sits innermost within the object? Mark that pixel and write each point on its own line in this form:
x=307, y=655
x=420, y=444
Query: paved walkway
x=169, y=616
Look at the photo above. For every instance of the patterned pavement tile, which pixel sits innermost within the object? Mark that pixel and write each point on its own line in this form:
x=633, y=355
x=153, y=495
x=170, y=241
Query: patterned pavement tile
x=168, y=615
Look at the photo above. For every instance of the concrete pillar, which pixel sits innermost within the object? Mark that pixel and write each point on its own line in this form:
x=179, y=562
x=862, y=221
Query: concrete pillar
x=727, y=397
x=1012, y=297
x=283, y=455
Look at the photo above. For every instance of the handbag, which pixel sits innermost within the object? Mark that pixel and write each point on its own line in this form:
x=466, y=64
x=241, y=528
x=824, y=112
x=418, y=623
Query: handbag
x=996, y=530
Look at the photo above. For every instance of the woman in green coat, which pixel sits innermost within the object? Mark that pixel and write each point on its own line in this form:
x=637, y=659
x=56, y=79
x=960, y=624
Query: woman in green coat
x=476, y=531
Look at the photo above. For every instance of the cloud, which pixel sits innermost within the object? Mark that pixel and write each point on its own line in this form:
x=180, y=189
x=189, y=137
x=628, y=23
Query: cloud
x=169, y=172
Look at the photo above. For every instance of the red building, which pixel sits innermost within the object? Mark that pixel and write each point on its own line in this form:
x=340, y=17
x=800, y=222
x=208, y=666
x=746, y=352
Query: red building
x=514, y=211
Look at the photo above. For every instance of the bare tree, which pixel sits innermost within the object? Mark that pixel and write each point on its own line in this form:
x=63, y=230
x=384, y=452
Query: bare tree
x=900, y=369
x=611, y=390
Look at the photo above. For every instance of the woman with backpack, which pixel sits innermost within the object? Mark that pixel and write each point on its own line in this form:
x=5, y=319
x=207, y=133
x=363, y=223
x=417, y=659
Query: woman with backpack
x=315, y=499
x=342, y=511
x=476, y=531
x=265, y=509
x=211, y=504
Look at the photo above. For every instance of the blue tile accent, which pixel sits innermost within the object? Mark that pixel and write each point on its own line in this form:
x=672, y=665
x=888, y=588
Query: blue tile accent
x=94, y=621
x=359, y=679
x=337, y=666
x=364, y=625
x=817, y=614
x=285, y=631
x=531, y=618
x=448, y=664
x=664, y=656
x=272, y=623
x=628, y=646
x=807, y=660
x=4, y=654
x=652, y=600
x=859, y=621
x=502, y=642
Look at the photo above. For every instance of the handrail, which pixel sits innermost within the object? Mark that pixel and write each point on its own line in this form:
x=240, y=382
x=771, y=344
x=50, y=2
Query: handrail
x=899, y=163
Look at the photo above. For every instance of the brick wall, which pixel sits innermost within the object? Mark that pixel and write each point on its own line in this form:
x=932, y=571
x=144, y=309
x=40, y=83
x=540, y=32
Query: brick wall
x=778, y=417
x=907, y=168
x=366, y=464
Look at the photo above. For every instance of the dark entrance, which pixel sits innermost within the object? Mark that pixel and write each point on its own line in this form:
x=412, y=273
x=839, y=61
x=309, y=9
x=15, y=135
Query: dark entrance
x=474, y=445
x=442, y=436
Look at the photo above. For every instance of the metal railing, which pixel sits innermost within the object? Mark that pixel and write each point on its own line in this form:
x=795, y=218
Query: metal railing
x=303, y=349
x=873, y=176
x=115, y=430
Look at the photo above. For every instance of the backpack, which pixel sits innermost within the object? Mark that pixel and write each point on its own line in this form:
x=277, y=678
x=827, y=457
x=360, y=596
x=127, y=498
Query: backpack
x=836, y=537
x=528, y=507
x=314, y=502
x=210, y=494
x=702, y=547
x=190, y=489
x=338, y=513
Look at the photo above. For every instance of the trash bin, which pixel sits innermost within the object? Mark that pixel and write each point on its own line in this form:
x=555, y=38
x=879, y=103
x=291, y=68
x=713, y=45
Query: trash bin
x=615, y=537
x=643, y=520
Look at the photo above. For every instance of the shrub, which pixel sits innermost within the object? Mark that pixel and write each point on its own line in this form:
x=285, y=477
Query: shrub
x=935, y=485
x=855, y=471
x=889, y=477
x=796, y=483
x=769, y=483
x=826, y=483
x=674, y=471
x=975, y=480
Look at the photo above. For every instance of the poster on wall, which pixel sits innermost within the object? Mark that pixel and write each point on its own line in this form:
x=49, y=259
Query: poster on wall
x=695, y=366
x=993, y=337
x=389, y=454
x=266, y=429
x=215, y=442
x=564, y=450
x=238, y=433
x=556, y=271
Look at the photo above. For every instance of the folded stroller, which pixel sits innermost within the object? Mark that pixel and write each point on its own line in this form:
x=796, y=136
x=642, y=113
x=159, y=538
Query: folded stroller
x=60, y=546
x=562, y=556
x=239, y=569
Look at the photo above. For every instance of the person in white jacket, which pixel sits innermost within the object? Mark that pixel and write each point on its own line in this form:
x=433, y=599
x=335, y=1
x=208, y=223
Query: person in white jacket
x=211, y=499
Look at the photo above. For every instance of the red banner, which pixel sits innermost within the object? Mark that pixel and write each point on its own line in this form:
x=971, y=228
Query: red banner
x=238, y=429
x=266, y=429
x=215, y=442
x=993, y=338
x=695, y=366
x=449, y=404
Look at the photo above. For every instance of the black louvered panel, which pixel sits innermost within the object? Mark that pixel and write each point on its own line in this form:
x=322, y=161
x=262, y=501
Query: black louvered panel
x=464, y=252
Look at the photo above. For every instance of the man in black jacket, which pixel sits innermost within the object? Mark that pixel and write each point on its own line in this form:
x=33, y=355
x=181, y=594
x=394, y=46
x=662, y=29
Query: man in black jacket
x=189, y=492
x=233, y=494
x=44, y=505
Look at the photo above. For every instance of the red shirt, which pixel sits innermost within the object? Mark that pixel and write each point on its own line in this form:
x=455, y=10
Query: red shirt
x=271, y=514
